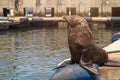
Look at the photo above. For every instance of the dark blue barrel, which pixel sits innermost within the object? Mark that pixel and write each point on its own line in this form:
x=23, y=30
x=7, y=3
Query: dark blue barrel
x=37, y=19
x=88, y=18
x=115, y=19
x=24, y=20
x=116, y=36
x=3, y=19
x=73, y=72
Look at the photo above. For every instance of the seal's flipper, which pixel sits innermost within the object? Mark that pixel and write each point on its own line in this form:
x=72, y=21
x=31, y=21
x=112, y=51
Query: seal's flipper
x=63, y=63
x=92, y=69
x=87, y=64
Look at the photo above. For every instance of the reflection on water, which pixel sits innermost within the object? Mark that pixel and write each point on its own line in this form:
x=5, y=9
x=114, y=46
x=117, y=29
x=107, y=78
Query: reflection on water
x=103, y=33
x=32, y=54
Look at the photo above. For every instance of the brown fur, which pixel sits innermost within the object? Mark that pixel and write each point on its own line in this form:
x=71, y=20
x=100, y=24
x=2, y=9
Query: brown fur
x=94, y=54
x=80, y=40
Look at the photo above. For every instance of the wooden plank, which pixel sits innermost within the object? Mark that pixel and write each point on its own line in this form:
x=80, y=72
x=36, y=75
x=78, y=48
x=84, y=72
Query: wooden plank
x=115, y=46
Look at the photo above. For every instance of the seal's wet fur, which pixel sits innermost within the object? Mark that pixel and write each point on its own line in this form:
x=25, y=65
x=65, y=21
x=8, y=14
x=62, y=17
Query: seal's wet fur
x=80, y=40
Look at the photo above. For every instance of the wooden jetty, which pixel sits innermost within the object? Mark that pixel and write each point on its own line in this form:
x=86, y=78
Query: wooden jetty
x=111, y=72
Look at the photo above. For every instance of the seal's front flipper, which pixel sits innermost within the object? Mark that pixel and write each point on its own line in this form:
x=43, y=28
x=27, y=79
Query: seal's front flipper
x=92, y=68
x=61, y=66
x=63, y=63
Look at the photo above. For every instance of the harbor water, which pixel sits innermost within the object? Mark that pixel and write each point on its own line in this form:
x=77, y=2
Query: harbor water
x=31, y=54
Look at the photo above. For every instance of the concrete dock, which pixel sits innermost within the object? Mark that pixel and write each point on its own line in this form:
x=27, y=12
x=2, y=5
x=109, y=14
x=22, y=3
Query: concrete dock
x=113, y=72
x=6, y=21
x=89, y=19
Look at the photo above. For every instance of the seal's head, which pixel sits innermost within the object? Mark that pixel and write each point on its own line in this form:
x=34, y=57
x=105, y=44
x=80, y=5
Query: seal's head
x=75, y=20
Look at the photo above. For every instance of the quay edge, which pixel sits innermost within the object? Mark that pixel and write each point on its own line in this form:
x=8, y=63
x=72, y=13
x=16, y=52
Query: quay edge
x=19, y=20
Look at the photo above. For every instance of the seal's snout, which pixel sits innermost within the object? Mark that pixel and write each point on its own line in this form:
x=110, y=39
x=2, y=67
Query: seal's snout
x=75, y=20
x=68, y=19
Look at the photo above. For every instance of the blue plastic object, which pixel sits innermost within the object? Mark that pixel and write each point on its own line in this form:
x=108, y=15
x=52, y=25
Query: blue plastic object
x=73, y=72
x=24, y=20
x=115, y=37
x=115, y=19
x=3, y=19
x=37, y=19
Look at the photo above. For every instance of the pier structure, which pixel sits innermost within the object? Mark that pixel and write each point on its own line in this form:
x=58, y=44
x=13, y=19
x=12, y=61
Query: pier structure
x=60, y=19
x=5, y=23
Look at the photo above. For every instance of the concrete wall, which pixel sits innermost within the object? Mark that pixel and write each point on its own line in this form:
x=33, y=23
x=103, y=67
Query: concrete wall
x=82, y=6
x=5, y=4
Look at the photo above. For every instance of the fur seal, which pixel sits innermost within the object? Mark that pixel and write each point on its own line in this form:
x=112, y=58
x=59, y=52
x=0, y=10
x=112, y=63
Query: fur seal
x=81, y=43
